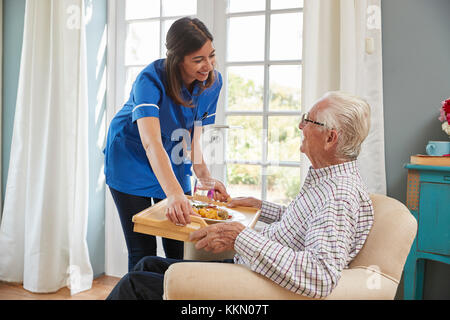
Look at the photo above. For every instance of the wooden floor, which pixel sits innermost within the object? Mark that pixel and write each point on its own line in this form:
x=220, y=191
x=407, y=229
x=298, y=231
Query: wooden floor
x=101, y=287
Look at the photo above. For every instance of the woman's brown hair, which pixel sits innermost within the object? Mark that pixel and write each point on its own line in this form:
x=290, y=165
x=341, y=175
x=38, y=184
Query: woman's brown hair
x=184, y=37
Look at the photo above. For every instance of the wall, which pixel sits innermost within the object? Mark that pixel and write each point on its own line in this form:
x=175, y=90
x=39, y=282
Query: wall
x=13, y=15
x=416, y=67
x=96, y=40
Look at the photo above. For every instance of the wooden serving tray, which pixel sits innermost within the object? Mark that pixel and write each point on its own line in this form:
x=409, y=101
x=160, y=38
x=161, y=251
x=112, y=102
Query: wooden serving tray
x=153, y=220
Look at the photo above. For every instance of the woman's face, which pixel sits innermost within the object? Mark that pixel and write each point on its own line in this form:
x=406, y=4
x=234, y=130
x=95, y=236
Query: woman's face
x=198, y=65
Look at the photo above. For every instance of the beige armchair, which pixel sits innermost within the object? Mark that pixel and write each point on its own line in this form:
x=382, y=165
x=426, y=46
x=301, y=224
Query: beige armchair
x=373, y=274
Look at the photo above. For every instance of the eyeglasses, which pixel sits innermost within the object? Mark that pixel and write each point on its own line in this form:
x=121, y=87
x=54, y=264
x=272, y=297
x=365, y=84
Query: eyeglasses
x=305, y=119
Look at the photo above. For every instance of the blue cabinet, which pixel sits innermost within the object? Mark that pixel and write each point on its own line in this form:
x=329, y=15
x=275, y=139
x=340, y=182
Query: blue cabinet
x=428, y=199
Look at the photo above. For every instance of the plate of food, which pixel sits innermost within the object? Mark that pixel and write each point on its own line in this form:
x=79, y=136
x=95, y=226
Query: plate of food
x=213, y=213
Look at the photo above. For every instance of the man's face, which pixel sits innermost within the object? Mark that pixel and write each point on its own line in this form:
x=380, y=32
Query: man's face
x=314, y=138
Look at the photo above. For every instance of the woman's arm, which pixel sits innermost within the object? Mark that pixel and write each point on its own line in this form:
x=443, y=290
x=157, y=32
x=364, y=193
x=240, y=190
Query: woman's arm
x=179, y=208
x=198, y=163
x=200, y=168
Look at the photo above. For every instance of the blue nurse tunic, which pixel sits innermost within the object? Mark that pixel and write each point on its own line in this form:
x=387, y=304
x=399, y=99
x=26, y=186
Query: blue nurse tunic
x=127, y=168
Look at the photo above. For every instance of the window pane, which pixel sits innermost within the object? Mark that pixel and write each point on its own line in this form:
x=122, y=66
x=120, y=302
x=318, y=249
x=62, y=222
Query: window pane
x=286, y=36
x=246, y=143
x=285, y=87
x=286, y=4
x=245, y=88
x=166, y=26
x=142, y=45
x=284, y=139
x=246, y=38
x=246, y=5
x=283, y=184
x=244, y=180
x=179, y=7
x=141, y=9
x=132, y=74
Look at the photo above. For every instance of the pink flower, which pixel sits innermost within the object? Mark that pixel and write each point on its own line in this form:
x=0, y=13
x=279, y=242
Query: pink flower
x=442, y=115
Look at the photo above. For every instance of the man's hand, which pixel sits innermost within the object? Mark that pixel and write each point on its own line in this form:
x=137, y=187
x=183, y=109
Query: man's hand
x=245, y=202
x=218, y=237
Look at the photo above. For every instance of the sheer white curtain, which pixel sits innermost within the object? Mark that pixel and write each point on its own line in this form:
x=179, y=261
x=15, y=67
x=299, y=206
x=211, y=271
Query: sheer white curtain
x=44, y=224
x=342, y=51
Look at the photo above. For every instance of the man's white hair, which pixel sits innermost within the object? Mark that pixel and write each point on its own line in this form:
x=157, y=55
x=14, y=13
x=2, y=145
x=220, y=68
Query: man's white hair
x=350, y=116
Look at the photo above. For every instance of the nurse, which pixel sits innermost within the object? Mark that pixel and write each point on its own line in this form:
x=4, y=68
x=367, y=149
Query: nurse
x=149, y=139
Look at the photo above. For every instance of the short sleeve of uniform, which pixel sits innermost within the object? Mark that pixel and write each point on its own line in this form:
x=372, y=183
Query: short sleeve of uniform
x=211, y=110
x=147, y=92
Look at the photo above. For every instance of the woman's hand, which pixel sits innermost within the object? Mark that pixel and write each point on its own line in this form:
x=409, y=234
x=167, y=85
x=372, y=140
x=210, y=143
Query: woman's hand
x=220, y=192
x=245, y=202
x=179, y=209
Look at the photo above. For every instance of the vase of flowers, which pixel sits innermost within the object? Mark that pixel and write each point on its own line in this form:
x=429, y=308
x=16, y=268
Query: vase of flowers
x=445, y=116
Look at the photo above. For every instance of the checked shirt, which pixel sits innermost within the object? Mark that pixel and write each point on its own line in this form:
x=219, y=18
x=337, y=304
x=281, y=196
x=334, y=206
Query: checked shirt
x=307, y=244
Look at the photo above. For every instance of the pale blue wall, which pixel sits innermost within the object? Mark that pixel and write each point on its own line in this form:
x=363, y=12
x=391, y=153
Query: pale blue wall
x=416, y=59
x=13, y=18
x=96, y=64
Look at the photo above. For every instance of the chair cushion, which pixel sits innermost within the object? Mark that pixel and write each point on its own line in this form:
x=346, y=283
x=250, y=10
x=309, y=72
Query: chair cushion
x=390, y=239
x=223, y=281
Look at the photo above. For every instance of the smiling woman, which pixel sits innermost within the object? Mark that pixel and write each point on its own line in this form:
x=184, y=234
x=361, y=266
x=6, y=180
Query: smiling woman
x=170, y=96
x=199, y=65
x=185, y=61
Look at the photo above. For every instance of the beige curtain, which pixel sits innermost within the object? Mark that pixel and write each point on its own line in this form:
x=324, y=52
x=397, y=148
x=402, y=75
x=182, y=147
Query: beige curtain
x=342, y=51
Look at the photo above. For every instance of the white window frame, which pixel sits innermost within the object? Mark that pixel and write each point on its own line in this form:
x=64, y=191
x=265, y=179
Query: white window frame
x=221, y=16
x=214, y=14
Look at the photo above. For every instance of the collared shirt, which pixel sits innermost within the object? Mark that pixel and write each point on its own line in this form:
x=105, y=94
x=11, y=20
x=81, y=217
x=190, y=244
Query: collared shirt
x=127, y=168
x=308, y=243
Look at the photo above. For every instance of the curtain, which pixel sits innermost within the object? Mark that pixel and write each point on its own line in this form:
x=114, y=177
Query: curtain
x=44, y=225
x=342, y=51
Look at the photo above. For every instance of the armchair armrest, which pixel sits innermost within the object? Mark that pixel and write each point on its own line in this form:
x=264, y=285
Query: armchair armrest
x=223, y=281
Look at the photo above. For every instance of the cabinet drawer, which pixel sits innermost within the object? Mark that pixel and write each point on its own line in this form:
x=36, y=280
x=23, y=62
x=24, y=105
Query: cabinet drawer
x=435, y=176
x=434, y=218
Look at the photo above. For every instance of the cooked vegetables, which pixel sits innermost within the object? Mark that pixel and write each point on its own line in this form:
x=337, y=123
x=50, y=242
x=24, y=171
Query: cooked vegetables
x=210, y=212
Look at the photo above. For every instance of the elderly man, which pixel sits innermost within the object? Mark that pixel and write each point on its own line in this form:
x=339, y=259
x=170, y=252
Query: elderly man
x=306, y=245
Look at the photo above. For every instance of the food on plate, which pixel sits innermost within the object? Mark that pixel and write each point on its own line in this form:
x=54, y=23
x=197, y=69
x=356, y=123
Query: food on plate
x=210, y=211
